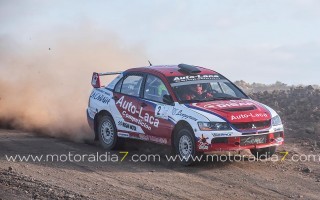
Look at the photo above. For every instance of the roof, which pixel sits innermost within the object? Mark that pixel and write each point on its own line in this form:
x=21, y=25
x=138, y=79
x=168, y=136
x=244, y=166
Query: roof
x=169, y=70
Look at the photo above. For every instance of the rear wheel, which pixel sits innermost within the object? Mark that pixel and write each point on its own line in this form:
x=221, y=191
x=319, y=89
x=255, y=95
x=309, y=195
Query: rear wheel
x=185, y=146
x=263, y=153
x=107, y=133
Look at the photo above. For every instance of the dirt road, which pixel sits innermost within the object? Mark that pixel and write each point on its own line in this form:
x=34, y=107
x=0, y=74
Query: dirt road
x=147, y=180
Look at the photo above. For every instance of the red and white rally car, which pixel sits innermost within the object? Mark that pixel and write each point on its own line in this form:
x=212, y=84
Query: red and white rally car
x=193, y=109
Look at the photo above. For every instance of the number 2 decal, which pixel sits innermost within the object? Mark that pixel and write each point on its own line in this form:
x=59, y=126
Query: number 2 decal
x=161, y=111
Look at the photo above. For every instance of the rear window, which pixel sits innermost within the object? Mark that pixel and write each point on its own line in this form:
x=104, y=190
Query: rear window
x=131, y=85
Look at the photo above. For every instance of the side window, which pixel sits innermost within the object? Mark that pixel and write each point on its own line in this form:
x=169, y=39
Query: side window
x=131, y=85
x=118, y=86
x=155, y=89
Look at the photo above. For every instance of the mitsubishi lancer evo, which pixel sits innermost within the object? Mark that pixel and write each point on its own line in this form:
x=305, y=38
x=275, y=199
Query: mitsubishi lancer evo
x=193, y=109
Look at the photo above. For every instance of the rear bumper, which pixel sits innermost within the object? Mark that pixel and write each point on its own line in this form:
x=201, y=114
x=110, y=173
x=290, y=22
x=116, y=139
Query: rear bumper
x=240, y=143
x=90, y=120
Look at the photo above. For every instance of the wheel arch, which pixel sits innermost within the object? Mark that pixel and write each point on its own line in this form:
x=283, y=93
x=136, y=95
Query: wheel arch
x=96, y=120
x=180, y=124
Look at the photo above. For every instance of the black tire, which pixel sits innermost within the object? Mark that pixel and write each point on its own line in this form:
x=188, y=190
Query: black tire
x=263, y=153
x=107, y=132
x=185, y=146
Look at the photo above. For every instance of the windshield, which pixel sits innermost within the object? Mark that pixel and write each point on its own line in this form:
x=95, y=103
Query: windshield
x=206, y=90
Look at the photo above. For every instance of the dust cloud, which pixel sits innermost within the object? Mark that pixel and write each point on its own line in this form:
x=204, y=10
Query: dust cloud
x=45, y=79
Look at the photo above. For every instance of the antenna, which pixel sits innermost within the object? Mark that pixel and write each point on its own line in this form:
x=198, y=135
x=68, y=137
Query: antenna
x=149, y=63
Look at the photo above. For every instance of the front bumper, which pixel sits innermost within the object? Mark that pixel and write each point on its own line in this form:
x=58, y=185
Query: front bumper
x=238, y=143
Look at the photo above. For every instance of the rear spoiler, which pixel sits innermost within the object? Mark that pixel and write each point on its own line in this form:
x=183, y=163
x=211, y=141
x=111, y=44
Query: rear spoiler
x=95, y=81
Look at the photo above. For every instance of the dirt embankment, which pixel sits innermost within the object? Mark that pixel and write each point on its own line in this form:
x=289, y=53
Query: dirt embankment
x=299, y=108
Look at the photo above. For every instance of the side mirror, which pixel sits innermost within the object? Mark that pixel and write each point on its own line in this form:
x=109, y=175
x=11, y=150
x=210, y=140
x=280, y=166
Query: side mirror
x=168, y=99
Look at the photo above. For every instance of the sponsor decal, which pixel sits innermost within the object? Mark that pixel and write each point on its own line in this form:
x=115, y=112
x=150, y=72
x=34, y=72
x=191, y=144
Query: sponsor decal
x=126, y=125
x=221, y=134
x=174, y=111
x=255, y=140
x=144, y=119
x=100, y=97
x=249, y=115
x=179, y=112
x=195, y=78
x=154, y=139
x=126, y=135
x=278, y=129
x=203, y=144
x=227, y=105
x=136, y=120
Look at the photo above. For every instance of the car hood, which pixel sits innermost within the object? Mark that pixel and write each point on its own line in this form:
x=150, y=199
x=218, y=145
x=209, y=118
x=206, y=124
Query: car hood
x=234, y=111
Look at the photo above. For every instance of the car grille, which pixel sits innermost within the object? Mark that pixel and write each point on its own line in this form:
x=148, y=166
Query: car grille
x=252, y=125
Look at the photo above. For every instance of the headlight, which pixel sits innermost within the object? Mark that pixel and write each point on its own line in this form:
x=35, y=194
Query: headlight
x=213, y=126
x=276, y=121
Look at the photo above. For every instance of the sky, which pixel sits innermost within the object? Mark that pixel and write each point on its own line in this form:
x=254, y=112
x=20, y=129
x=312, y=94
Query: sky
x=251, y=40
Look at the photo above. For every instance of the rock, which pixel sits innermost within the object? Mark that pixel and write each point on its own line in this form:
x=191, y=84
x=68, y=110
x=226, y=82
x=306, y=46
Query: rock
x=10, y=168
x=306, y=170
x=310, y=130
x=70, y=196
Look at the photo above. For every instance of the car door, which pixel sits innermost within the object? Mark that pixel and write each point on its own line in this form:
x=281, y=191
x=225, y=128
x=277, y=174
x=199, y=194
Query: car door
x=155, y=111
x=126, y=110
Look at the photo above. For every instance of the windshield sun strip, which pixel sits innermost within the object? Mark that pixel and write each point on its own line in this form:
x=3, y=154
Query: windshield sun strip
x=196, y=82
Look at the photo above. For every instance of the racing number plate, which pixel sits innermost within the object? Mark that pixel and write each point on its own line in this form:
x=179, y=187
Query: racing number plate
x=256, y=139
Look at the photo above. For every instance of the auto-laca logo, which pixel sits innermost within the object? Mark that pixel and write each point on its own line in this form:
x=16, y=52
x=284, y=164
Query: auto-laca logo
x=195, y=77
x=138, y=116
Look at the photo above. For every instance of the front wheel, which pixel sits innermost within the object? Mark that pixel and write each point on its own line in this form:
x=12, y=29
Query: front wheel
x=107, y=132
x=185, y=146
x=263, y=152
